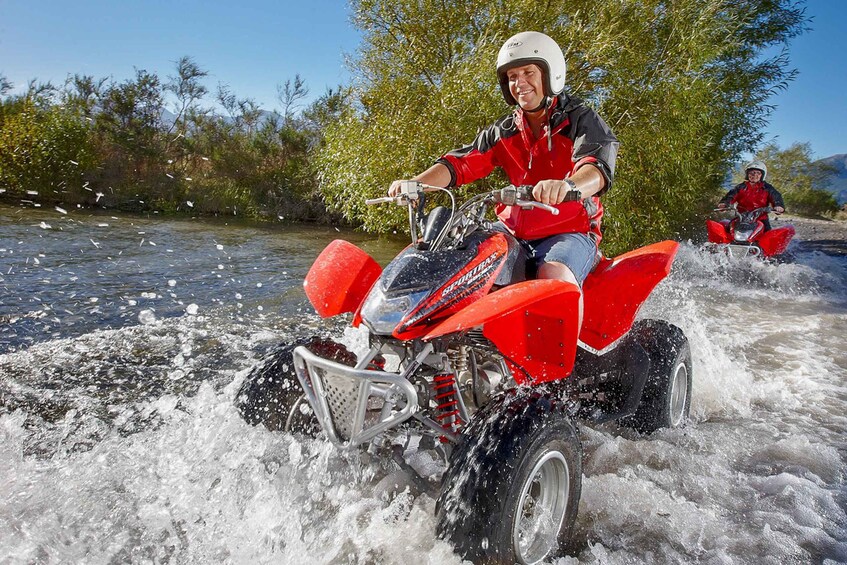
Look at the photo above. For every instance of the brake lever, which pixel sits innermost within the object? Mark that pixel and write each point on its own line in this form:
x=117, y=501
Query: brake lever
x=533, y=204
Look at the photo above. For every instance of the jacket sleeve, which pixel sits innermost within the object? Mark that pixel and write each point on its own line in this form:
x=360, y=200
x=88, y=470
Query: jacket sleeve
x=593, y=143
x=774, y=196
x=729, y=198
x=474, y=161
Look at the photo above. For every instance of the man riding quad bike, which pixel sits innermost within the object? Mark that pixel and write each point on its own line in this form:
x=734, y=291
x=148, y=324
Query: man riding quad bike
x=748, y=231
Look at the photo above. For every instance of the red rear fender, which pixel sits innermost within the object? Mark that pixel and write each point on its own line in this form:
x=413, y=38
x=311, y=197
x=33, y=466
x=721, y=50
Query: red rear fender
x=615, y=290
x=340, y=278
x=533, y=323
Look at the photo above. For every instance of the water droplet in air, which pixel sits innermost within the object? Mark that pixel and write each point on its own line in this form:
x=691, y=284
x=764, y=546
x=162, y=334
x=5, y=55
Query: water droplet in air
x=147, y=317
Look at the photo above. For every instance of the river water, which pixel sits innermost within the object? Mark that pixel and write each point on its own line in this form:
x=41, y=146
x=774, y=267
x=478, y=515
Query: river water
x=123, y=341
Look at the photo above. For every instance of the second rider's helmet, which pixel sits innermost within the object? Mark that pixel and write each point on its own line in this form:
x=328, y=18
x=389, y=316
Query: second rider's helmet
x=757, y=165
x=532, y=47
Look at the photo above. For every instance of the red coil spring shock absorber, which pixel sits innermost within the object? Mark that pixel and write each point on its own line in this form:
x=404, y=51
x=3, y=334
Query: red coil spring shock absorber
x=446, y=395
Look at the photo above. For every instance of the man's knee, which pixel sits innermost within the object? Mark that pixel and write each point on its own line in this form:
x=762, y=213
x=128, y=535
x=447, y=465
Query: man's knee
x=555, y=270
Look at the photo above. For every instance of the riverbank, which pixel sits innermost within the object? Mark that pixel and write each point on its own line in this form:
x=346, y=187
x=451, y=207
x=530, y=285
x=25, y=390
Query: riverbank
x=826, y=236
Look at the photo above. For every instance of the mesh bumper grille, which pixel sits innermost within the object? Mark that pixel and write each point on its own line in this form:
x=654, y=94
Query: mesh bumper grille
x=341, y=395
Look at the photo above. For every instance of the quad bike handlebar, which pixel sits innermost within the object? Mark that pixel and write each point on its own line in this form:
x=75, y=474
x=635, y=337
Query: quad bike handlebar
x=734, y=209
x=462, y=220
x=410, y=191
x=509, y=195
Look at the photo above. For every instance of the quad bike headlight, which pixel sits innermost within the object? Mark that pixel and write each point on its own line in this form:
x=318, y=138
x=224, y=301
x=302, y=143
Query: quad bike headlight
x=382, y=313
x=743, y=235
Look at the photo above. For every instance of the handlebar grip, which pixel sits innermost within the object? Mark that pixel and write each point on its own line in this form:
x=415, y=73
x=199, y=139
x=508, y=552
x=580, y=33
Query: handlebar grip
x=521, y=196
x=509, y=195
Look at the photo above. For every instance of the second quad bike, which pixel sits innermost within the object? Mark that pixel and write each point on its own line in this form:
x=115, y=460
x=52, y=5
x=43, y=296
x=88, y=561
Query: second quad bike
x=744, y=234
x=472, y=357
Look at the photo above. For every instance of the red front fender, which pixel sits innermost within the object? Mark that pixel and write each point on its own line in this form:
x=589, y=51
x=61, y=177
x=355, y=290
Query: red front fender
x=718, y=232
x=775, y=241
x=340, y=278
x=533, y=323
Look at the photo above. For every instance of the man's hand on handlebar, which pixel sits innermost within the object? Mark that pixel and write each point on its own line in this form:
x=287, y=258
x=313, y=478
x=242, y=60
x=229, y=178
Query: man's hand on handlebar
x=394, y=189
x=521, y=196
x=552, y=192
x=779, y=210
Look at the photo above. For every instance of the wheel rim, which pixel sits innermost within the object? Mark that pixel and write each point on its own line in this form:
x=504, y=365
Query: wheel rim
x=679, y=393
x=541, y=508
x=297, y=420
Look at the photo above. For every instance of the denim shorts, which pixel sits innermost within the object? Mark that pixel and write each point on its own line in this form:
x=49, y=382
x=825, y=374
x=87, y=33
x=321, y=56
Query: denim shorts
x=577, y=251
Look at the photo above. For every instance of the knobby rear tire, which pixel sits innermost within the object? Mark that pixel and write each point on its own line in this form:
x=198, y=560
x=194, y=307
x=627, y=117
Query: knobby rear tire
x=666, y=399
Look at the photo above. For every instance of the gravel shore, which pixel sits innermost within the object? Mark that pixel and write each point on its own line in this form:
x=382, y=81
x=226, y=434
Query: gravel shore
x=826, y=236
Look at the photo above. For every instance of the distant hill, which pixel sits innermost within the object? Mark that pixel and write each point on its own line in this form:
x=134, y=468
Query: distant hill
x=838, y=181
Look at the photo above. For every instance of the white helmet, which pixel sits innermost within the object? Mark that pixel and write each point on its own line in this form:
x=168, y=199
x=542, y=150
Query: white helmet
x=532, y=47
x=759, y=166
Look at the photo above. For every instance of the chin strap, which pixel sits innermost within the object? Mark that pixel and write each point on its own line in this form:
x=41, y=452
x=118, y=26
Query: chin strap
x=546, y=104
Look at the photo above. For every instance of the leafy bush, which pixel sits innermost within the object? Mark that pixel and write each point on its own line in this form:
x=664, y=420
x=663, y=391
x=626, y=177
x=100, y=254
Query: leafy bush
x=43, y=149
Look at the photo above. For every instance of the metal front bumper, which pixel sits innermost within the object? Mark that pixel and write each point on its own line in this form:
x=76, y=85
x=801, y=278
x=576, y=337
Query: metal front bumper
x=346, y=400
x=735, y=250
x=738, y=250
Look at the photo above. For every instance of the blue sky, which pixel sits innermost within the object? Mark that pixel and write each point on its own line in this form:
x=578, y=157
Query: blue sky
x=254, y=45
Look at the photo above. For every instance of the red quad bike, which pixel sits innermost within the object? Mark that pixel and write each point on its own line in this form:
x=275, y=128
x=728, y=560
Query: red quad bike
x=475, y=359
x=744, y=234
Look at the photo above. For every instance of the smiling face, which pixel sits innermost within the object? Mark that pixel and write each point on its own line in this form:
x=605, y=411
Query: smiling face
x=754, y=175
x=526, y=84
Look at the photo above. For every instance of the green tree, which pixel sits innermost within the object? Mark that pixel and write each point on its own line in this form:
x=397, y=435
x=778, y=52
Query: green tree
x=131, y=113
x=800, y=180
x=683, y=84
x=130, y=141
x=291, y=96
x=82, y=95
x=188, y=90
x=5, y=88
x=324, y=112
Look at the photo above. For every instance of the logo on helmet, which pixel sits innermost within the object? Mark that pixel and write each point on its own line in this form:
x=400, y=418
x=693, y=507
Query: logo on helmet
x=513, y=44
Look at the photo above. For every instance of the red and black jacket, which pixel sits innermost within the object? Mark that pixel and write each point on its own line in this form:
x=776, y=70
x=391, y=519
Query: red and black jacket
x=575, y=136
x=750, y=196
